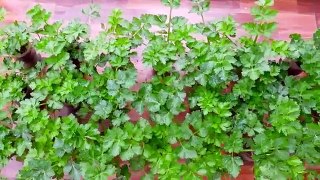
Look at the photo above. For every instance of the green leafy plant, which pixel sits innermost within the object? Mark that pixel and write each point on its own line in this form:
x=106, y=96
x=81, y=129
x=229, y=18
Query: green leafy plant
x=211, y=106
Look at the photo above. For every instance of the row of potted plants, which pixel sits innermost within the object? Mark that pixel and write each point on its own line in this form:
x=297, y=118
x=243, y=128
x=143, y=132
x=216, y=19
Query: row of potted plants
x=212, y=104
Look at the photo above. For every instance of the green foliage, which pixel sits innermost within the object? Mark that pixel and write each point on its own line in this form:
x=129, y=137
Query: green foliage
x=37, y=169
x=286, y=114
x=316, y=38
x=263, y=15
x=39, y=16
x=200, y=6
x=3, y=13
x=14, y=37
x=171, y=3
x=207, y=102
x=93, y=11
x=232, y=164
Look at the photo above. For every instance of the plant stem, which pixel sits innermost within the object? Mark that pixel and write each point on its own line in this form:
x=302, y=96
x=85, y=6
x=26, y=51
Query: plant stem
x=38, y=36
x=89, y=18
x=203, y=21
x=7, y=125
x=255, y=39
x=226, y=36
x=138, y=30
x=230, y=39
x=202, y=18
x=169, y=25
x=247, y=150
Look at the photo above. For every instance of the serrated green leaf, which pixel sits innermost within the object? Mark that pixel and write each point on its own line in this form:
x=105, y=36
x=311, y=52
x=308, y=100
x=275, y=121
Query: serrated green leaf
x=103, y=109
x=187, y=153
x=73, y=170
x=232, y=164
x=171, y=3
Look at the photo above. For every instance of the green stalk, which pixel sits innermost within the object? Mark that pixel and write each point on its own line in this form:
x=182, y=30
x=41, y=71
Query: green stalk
x=255, y=39
x=169, y=25
x=203, y=21
x=138, y=30
x=247, y=150
x=230, y=39
x=202, y=18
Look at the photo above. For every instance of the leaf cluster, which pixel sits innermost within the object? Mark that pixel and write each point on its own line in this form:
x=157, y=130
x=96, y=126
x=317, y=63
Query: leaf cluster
x=208, y=101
